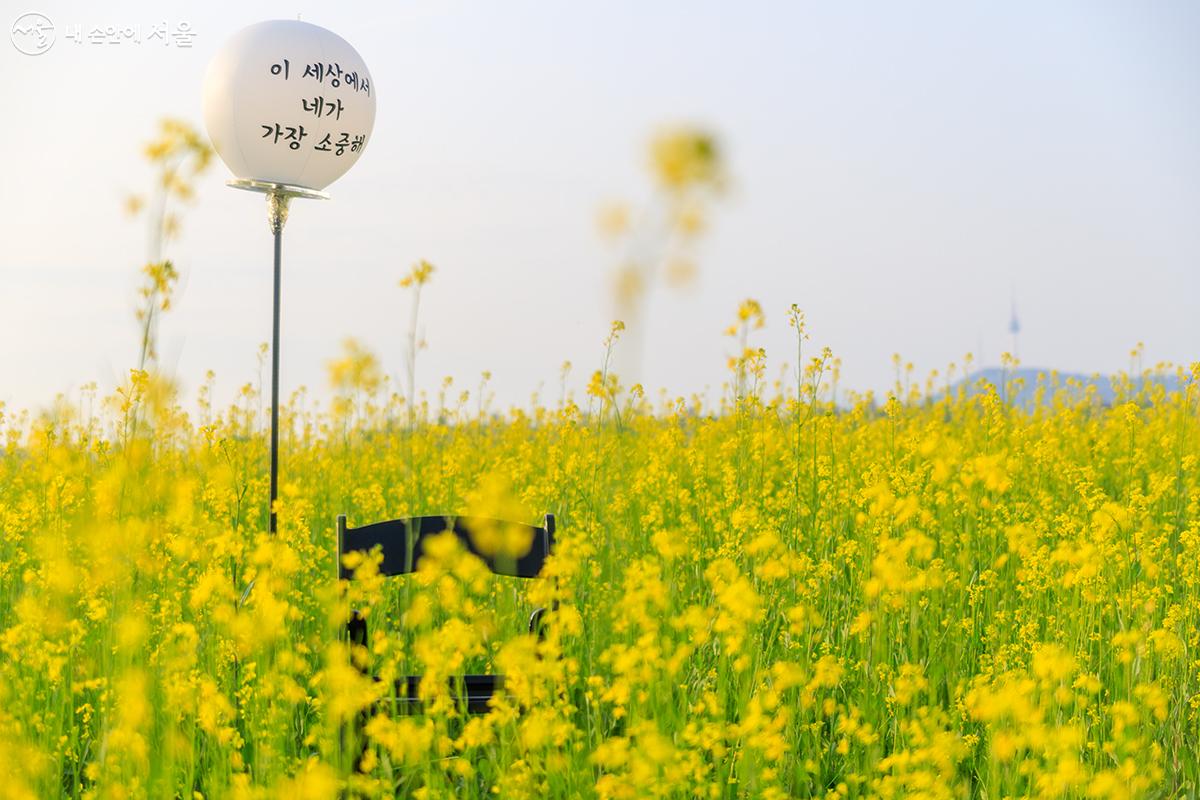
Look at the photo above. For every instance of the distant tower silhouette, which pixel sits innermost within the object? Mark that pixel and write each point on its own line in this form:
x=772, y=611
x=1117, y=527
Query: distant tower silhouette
x=1014, y=325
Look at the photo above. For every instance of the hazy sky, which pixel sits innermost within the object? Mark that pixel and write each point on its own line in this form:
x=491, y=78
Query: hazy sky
x=897, y=169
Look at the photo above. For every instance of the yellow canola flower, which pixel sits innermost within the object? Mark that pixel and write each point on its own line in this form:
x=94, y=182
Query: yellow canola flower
x=775, y=589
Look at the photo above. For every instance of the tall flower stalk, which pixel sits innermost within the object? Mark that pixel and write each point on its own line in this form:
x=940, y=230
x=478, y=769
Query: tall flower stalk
x=416, y=278
x=178, y=156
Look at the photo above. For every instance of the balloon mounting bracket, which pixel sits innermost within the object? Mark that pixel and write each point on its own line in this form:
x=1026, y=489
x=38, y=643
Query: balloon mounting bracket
x=278, y=195
x=284, y=189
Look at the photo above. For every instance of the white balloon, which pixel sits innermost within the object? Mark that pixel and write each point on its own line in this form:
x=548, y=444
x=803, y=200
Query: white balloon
x=288, y=102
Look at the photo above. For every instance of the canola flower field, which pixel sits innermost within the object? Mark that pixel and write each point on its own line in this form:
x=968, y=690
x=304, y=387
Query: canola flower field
x=933, y=595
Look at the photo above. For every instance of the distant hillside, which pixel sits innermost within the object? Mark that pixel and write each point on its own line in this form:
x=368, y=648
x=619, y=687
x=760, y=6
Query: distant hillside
x=1075, y=384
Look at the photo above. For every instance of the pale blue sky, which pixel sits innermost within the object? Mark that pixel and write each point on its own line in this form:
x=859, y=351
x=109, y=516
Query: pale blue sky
x=897, y=168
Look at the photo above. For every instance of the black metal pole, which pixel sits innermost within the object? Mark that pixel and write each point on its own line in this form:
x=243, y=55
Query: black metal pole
x=275, y=380
x=278, y=230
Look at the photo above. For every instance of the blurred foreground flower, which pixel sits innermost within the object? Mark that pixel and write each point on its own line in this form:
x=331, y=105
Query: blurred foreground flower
x=658, y=242
x=178, y=156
